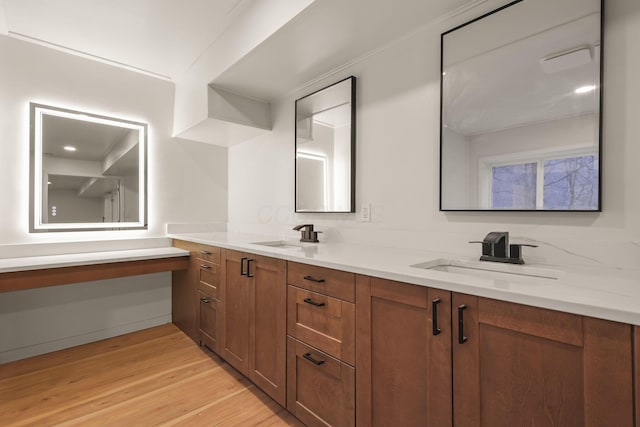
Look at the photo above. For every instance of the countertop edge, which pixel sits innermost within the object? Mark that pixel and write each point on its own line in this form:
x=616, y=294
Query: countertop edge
x=614, y=307
x=10, y=265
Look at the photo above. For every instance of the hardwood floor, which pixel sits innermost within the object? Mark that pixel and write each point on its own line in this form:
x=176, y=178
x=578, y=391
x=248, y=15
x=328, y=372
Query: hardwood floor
x=156, y=377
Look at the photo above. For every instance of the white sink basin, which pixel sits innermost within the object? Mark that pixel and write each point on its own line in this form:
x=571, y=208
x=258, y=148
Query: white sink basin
x=279, y=244
x=492, y=271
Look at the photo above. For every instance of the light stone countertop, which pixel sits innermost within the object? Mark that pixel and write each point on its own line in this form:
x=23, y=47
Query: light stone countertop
x=606, y=293
x=8, y=265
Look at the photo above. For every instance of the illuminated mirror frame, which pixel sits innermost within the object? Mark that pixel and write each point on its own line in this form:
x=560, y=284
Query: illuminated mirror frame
x=36, y=224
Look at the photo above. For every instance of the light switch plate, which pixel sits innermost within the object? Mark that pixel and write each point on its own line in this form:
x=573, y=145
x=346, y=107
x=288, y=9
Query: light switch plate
x=365, y=212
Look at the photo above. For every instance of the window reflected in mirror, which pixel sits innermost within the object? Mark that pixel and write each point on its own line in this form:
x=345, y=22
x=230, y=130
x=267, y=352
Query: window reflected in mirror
x=88, y=172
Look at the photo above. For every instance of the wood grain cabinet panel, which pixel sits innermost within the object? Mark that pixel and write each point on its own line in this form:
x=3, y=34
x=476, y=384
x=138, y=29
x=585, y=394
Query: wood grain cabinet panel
x=202, y=275
x=322, y=321
x=512, y=365
x=326, y=281
x=320, y=388
x=253, y=319
x=404, y=369
x=518, y=365
x=208, y=321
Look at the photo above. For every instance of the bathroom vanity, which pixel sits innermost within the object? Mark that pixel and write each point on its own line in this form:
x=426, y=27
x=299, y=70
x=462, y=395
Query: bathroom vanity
x=371, y=340
x=51, y=270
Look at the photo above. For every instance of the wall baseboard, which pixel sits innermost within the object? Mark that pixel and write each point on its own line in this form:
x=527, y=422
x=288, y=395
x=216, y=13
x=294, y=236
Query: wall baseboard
x=67, y=342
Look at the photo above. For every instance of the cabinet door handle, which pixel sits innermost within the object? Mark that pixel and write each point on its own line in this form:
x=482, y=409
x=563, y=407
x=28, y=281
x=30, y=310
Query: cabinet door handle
x=434, y=313
x=312, y=302
x=242, y=270
x=312, y=360
x=313, y=279
x=206, y=267
x=249, y=261
x=205, y=252
x=461, y=338
x=205, y=300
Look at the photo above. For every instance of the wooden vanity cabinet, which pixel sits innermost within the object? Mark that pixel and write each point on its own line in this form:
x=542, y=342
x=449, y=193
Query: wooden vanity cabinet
x=253, y=313
x=521, y=365
x=321, y=345
x=404, y=370
x=511, y=364
x=190, y=289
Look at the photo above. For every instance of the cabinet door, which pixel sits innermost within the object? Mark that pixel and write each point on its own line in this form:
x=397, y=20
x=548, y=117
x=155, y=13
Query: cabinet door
x=517, y=365
x=207, y=321
x=234, y=296
x=403, y=359
x=267, y=325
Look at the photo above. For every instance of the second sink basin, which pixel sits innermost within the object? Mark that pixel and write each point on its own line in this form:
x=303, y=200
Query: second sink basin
x=487, y=270
x=278, y=244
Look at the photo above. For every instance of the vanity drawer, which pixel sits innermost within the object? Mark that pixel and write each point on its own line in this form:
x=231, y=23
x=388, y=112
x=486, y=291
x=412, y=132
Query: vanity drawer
x=208, y=321
x=208, y=273
x=326, y=281
x=210, y=290
x=320, y=389
x=208, y=253
x=322, y=321
x=200, y=251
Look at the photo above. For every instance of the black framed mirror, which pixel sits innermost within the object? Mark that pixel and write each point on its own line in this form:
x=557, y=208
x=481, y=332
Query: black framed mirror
x=87, y=171
x=325, y=144
x=521, y=114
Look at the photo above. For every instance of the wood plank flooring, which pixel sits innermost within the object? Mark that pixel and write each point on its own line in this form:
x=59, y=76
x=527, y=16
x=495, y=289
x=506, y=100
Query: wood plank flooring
x=156, y=377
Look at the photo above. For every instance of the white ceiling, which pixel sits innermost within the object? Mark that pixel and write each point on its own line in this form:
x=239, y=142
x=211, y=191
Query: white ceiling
x=163, y=37
x=166, y=37
x=324, y=37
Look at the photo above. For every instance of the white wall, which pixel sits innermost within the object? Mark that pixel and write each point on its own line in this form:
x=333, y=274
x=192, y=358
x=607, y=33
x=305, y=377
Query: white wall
x=187, y=182
x=398, y=156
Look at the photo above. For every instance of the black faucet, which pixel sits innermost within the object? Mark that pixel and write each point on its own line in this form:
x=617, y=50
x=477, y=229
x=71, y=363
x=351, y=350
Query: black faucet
x=308, y=235
x=496, y=248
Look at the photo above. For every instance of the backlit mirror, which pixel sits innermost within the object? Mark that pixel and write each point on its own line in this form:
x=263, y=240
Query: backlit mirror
x=520, y=98
x=88, y=172
x=325, y=149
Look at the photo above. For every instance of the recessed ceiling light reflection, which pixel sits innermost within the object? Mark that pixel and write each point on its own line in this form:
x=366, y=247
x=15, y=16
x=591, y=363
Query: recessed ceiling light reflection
x=585, y=89
x=69, y=148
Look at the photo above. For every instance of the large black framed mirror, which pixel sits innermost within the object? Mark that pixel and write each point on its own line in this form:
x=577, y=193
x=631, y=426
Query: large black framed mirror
x=521, y=109
x=87, y=171
x=325, y=144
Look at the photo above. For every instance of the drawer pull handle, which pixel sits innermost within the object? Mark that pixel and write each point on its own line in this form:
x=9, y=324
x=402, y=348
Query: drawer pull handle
x=205, y=300
x=206, y=267
x=312, y=360
x=205, y=252
x=461, y=338
x=242, y=271
x=434, y=313
x=313, y=279
x=312, y=302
